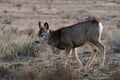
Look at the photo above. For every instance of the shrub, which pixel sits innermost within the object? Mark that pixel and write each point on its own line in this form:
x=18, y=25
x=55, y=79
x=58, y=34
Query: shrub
x=18, y=49
x=59, y=72
x=115, y=76
x=3, y=71
x=24, y=49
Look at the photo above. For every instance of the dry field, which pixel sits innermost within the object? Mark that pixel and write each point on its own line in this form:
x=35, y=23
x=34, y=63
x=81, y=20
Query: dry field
x=22, y=59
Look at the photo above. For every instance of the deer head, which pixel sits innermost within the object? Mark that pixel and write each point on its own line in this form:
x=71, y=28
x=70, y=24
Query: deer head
x=43, y=33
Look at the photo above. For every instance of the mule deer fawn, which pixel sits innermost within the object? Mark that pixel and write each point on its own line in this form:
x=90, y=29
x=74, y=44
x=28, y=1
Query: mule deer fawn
x=71, y=37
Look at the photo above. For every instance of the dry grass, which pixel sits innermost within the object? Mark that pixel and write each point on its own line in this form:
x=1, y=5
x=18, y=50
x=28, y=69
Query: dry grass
x=115, y=76
x=4, y=71
x=59, y=72
x=17, y=46
x=25, y=73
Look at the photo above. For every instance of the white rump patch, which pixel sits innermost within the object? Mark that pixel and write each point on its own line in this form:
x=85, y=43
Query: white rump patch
x=100, y=29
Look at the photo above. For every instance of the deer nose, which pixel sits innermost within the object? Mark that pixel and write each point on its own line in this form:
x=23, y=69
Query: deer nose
x=37, y=41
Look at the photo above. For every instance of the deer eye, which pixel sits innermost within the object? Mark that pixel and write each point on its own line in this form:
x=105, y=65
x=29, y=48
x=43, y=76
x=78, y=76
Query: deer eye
x=41, y=35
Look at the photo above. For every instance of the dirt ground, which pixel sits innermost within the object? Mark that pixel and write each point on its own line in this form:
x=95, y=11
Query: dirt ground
x=20, y=17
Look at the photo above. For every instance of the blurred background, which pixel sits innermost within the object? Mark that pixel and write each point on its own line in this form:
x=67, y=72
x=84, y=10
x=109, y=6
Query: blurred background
x=19, y=27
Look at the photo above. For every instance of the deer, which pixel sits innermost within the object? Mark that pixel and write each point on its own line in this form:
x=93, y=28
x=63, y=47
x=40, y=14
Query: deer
x=71, y=37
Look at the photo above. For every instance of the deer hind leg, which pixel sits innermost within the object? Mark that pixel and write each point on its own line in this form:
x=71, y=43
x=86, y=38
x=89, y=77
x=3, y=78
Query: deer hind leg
x=103, y=51
x=74, y=50
x=102, y=48
x=93, y=55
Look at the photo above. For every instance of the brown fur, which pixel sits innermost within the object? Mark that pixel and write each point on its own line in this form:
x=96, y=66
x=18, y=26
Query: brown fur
x=71, y=37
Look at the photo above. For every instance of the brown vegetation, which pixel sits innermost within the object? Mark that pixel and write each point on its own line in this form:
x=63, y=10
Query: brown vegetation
x=59, y=72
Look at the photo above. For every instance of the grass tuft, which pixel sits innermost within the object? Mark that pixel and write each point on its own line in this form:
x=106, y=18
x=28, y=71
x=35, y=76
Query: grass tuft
x=59, y=72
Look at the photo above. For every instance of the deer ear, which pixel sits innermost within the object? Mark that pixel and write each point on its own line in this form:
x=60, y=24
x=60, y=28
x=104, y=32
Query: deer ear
x=39, y=24
x=46, y=25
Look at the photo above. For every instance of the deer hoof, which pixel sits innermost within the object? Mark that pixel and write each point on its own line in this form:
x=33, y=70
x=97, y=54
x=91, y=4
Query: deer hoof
x=87, y=69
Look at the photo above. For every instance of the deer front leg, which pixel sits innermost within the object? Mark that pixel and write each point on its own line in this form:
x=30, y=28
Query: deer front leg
x=74, y=50
x=67, y=55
